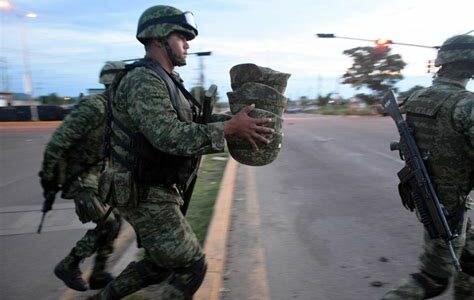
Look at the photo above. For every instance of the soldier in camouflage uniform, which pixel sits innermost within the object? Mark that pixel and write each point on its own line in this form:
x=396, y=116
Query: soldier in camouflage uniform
x=72, y=161
x=442, y=119
x=154, y=141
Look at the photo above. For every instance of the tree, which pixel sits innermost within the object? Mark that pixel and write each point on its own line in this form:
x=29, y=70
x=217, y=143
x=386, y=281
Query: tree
x=374, y=68
x=52, y=98
x=304, y=100
x=323, y=100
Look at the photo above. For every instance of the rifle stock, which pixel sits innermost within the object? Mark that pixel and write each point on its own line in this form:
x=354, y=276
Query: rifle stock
x=416, y=178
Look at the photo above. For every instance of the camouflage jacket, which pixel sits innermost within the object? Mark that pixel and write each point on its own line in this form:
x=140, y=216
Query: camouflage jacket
x=75, y=148
x=142, y=103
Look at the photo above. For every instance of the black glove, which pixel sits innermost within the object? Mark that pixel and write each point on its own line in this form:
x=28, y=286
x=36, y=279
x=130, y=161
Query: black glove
x=49, y=197
x=50, y=188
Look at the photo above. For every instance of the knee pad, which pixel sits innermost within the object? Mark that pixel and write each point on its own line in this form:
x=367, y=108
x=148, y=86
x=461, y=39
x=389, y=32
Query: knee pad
x=198, y=270
x=432, y=285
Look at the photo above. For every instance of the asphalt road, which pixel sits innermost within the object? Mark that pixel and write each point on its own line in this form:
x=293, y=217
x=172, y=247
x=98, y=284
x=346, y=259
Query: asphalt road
x=28, y=259
x=324, y=220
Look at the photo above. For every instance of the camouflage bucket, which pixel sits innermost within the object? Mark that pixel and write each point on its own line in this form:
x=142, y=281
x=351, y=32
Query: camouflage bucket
x=243, y=73
x=263, y=96
x=242, y=152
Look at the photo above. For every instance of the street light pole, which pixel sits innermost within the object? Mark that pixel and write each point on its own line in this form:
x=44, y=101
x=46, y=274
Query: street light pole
x=20, y=14
x=27, y=81
x=201, y=72
x=332, y=36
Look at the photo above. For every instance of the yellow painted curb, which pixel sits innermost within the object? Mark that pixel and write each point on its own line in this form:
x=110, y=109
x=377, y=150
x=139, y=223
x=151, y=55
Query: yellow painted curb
x=32, y=123
x=215, y=247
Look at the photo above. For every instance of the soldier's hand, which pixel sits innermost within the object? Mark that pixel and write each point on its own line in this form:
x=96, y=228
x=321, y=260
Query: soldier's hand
x=248, y=128
x=48, y=184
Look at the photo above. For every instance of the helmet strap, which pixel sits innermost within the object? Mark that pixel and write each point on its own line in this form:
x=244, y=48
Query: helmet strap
x=171, y=55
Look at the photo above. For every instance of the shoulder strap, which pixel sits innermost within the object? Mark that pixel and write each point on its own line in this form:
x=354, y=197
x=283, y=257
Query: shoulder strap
x=170, y=85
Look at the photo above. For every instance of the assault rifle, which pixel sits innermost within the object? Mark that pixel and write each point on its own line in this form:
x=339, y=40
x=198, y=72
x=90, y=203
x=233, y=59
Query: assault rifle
x=207, y=106
x=415, y=187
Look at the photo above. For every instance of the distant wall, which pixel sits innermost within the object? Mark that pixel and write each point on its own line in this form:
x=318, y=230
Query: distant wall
x=32, y=113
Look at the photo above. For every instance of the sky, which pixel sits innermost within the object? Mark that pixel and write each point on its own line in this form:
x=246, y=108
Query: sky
x=69, y=41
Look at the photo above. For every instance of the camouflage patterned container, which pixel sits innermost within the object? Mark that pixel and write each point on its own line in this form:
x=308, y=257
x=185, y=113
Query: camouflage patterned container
x=242, y=152
x=243, y=73
x=263, y=96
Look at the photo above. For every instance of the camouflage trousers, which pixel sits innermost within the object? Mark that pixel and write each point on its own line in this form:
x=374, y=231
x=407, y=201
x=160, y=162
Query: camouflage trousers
x=89, y=208
x=172, y=250
x=436, y=260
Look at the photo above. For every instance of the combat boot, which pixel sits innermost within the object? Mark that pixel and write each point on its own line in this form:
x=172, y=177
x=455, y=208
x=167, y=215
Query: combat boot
x=99, y=277
x=418, y=286
x=463, y=287
x=71, y=276
x=108, y=293
x=99, y=280
x=68, y=271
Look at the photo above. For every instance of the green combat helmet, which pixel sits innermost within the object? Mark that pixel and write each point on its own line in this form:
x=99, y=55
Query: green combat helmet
x=109, y=70
x=252, y=84
x=455, y=49
x=244, y=73
x=157, y=22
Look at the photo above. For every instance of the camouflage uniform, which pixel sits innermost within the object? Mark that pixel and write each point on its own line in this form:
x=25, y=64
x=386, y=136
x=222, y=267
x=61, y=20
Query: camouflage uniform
x=442, y=119
x=73, y=158
x=142, y=103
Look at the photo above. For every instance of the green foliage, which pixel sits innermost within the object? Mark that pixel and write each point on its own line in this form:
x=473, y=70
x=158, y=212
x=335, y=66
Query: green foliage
x=305, y=101
x=343, y=110
x=369, y=99
x=201, y=206
x=323, y=100
x=373, y=68
x=52, y=99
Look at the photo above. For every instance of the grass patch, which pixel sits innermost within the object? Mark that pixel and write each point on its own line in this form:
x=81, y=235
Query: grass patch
x=343, y=110
x=207, y=186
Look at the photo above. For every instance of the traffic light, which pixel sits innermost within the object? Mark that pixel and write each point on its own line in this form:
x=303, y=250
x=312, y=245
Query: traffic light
x=431, y=67
x=383, y=42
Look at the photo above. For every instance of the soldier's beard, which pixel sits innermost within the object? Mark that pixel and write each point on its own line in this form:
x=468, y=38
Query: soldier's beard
x=179, y=62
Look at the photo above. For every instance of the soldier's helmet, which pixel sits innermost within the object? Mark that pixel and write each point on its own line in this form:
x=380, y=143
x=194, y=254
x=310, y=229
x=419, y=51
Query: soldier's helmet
x=109, y=70
x=161, y=20
x=456, y=48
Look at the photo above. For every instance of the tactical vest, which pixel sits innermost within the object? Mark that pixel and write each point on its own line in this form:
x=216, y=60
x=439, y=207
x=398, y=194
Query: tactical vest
x=429, y=115
x=148, y=164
